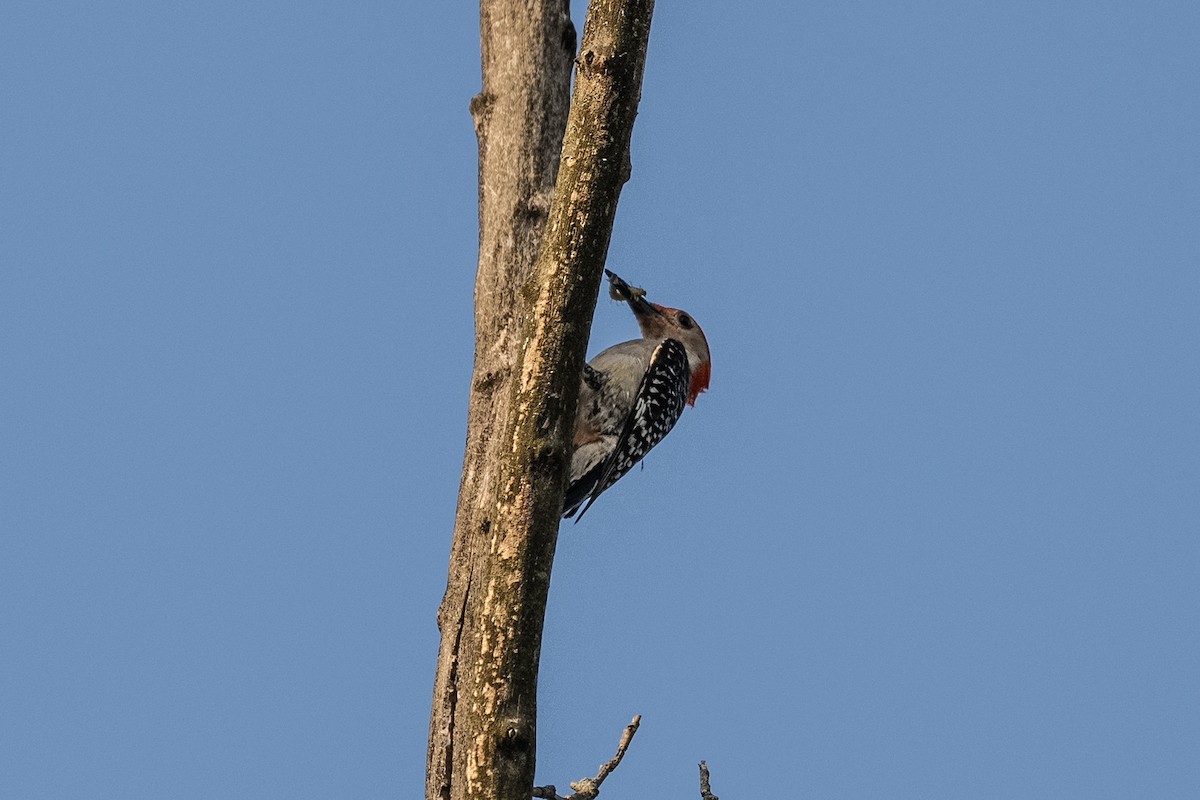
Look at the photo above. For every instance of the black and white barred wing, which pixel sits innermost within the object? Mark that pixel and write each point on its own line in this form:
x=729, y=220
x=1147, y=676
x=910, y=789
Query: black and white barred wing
x=656, y=408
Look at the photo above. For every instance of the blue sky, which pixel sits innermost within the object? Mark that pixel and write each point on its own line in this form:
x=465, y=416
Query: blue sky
x=932, y=532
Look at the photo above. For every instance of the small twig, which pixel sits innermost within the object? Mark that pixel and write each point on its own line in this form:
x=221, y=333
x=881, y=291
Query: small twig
x=705, y=789
x=613, y=762
x=589, y=788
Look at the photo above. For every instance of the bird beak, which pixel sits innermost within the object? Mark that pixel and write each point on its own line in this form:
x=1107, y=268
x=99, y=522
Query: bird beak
x=635, y=296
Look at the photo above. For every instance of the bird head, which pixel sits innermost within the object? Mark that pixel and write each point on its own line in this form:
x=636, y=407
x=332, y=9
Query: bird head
x=663, y=322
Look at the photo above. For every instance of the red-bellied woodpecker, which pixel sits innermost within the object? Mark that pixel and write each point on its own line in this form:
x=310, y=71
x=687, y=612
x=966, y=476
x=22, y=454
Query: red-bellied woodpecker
x=632, y=394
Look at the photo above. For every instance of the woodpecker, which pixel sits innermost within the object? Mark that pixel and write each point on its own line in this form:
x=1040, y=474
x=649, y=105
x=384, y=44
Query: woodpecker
x=632, y=394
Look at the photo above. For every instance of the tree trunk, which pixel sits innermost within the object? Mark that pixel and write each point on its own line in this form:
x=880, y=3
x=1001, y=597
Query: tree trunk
x=541, y=252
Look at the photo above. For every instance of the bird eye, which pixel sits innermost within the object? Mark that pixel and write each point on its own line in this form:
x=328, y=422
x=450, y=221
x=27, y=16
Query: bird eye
x=685, y=321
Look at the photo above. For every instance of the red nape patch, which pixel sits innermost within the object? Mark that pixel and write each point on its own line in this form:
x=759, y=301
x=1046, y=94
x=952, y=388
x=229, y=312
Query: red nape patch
x=699, y=382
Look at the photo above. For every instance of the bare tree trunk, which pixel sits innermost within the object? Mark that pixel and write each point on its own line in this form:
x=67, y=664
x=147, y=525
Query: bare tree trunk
x=534, y=299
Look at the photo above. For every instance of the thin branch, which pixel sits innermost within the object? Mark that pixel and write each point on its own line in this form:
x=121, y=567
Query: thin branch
x=705, y=789
x=589, y=788
x=613, y=762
